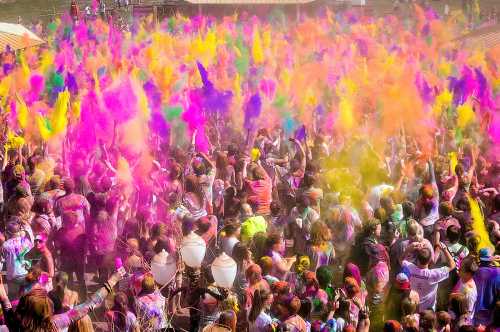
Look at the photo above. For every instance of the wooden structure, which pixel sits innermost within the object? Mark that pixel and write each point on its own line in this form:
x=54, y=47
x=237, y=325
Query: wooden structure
x=17, y=37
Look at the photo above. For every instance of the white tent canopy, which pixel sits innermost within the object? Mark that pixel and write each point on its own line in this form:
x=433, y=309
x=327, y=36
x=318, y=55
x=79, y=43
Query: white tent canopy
x=17, y=37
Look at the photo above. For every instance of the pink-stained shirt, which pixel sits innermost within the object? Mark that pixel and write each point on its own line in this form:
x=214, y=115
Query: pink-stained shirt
x=260, y=195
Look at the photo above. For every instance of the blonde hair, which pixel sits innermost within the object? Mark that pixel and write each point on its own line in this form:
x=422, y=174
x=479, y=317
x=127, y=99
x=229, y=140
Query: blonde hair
x=84, y=324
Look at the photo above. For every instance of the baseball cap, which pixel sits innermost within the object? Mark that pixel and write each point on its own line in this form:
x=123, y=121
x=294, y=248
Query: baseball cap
x=485, y=255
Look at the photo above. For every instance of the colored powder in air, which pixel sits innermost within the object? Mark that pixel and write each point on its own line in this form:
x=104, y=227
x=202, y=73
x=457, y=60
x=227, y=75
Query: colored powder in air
x=121, y=102
x=478, y=225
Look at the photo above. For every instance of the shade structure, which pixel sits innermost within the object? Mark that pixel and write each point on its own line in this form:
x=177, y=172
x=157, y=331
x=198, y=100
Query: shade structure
x=487, y=37
x=17, y=37
x=248, y=2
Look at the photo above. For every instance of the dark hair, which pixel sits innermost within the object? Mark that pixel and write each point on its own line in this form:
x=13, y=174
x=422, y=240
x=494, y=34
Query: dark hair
x=423, y=256
x=120, y=308
x=408, y=209
x=458, y=304
x=231, y=228
x=240, y=252
x=191, y=184
x=260, y=296
x=34, y=312
x=226, y=319
x=469, y=265
x=41, y=205
x=453, y=234
x=445, y=209
x=428, y=320
x=272, y=239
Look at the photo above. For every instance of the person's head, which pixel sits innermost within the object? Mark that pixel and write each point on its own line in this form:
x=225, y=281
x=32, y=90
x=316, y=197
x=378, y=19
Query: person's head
x=120, y=302
x=42, y=205
x=309, y=179
x=68, y=185
x=351, y=287
x=286, y=306
x=387, y=203
x=468, y=268
x=34, y=311
x=392, y=326
x=274, y=242
x=485, y=256
x=443, y=319
x=13, y=229
x=445, y=209
x=253, y=274
x=246, y=211
x=303, y=202
x=458, y=304
x=60, y=283
x=41, y=242
x=19, y=172
x=199, y=167
x=266, y=264
x=408, y=209
x=373, y=228
x=203, y=224
x=324, y=274
x=453, y=234
x=175, y=172
x=148, y=284
x=54, y=183
x=408, y=306
x=241, y=253
x=428, y=320
x=262, y=300
x=84, y=324
x=320, y=233
x=310, y=280
x=227, y=319
x=414, y=231
x=275, y=208
x=232, y=229
x=353, y=271
x=423, y=256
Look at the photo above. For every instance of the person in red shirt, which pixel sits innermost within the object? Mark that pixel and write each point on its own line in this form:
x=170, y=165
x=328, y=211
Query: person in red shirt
x=74, y=11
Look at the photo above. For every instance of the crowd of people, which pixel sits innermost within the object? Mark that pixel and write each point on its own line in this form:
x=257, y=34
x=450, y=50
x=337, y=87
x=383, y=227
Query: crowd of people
x=404, y=257
x=376, y=214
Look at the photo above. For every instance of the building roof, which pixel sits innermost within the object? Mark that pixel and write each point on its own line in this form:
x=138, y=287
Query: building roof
x=17, y=37
x=248, y=2
x=487, y=37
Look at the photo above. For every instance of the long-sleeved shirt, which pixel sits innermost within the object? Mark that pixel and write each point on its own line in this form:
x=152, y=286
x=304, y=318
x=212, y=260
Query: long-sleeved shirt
x=61, y=321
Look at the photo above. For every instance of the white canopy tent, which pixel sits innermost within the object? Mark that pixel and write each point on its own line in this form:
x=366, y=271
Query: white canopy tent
x=17, y=37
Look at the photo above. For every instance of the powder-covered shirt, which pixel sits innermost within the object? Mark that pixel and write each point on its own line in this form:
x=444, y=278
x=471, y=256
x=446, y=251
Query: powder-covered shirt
x=14, y=251
x=469, y=290
x=425, y=283
x=73, y=202
x=150, y=310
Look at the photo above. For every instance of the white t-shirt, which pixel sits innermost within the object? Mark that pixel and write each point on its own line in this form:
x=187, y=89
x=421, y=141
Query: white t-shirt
x=228, y=244
x=263, y=320
x=425, y=283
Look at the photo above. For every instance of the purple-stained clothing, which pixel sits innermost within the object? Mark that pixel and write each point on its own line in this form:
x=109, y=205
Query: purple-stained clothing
x=487, y=280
